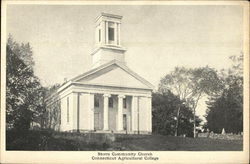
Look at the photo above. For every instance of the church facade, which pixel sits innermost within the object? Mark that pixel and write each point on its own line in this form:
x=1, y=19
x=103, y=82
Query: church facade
x=109, y=97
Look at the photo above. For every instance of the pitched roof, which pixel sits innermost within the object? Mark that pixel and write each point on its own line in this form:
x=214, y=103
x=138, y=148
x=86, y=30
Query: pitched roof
x=104, y=66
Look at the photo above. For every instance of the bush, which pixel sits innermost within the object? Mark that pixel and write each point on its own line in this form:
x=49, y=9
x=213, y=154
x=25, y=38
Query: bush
x=26, y=139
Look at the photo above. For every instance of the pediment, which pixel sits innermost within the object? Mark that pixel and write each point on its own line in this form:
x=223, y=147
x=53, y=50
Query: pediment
x=114, y=75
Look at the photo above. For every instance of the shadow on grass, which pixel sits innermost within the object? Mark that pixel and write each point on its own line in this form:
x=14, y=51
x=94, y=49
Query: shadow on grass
x=50, y=141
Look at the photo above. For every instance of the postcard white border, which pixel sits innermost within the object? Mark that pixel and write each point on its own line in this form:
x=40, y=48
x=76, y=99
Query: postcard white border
x=165, y=156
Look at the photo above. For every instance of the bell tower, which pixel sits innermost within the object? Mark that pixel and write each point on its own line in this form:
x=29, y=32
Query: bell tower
x=108, y=40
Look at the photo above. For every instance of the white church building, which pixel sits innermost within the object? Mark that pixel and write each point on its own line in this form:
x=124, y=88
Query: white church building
x=109, y=97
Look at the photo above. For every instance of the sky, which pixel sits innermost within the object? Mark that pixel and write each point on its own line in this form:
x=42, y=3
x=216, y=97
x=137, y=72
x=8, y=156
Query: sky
x=157, y=37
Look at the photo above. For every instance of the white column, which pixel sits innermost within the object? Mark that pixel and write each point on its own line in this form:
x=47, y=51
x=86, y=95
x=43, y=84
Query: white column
x=134, y=113
x=91, y=111
x=103, y=34
x=96, y=35
x=119, y=113
x=106, y=32
x=119, y=34
x=105, y=111
x=115, y=33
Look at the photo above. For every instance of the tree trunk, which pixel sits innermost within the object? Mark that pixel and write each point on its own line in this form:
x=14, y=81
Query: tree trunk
x=177, y=122
x=194, y=125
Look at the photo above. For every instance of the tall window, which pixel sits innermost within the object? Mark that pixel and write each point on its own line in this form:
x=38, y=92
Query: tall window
x=99, y=35
x=111, y=102
x=67, y=109
x=96, y=99
x=111, y=34
x=124, y=103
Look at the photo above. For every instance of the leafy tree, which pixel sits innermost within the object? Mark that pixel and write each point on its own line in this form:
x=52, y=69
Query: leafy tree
x=165, y=107
x=225, y=110
x=52, y=115
x=190, y=85
x=24, y=93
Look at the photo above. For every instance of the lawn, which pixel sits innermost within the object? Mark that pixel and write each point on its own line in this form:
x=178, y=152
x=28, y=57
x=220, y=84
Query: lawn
x=171, y=143
x=48, y=140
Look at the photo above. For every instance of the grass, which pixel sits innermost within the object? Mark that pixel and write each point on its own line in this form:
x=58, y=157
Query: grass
x=56, y=141
x=171, y=143
x=49, y=141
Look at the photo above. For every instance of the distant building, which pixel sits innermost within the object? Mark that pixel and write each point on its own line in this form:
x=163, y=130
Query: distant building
x=110, y=97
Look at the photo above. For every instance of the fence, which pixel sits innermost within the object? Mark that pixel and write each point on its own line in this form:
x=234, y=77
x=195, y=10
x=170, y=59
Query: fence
x=221, y=136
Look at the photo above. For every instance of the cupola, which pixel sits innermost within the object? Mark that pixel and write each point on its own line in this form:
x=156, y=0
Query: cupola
x=108, y=40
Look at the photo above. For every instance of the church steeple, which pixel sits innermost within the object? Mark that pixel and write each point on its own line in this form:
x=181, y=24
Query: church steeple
x=108, y=40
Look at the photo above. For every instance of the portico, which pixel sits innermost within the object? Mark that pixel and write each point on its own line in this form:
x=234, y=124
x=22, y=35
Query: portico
x=100, y=110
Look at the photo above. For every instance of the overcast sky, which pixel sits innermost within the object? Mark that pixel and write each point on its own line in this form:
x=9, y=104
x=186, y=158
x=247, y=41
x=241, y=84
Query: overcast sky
x=157, y=38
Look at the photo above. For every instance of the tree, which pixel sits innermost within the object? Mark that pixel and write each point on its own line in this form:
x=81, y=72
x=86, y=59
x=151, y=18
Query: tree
x=24, y=100
x=225, y=110
x=53, y=108
x=164, y=112
x=190, y=85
